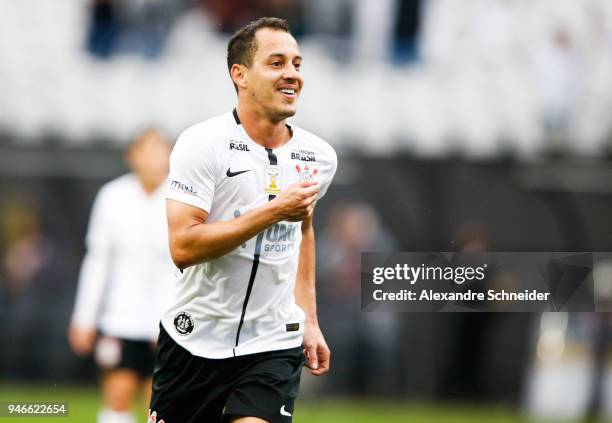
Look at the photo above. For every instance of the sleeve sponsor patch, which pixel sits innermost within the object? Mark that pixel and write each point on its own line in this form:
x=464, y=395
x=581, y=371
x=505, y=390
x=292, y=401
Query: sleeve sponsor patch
x=181, y=187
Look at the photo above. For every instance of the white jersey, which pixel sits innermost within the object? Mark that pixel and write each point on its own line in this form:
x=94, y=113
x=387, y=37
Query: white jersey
x=126, y=275
x=241, y=303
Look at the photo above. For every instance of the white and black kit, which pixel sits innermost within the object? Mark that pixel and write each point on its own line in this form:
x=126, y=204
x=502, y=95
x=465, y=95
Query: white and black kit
x=241, y=305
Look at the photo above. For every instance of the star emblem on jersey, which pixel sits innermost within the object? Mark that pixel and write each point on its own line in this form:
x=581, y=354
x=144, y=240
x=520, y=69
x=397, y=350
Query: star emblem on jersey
x=306, y=173
x=284, y=412
x=231, y=174
x=183, y=323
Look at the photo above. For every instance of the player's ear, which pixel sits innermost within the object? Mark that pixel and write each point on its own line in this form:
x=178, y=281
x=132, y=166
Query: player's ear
x=238, y=74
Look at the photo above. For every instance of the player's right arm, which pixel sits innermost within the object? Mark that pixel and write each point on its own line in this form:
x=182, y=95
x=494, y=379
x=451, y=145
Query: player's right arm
x=193, y=241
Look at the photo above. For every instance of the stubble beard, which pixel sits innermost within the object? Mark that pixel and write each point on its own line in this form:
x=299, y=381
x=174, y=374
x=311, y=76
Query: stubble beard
x=283, y=114
x=273, y=112
x=278, y=114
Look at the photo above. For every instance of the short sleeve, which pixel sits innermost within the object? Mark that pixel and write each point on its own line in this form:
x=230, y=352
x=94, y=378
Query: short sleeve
x=192, y=175
x=329, y=174
x=99, y=230
x=95, y=268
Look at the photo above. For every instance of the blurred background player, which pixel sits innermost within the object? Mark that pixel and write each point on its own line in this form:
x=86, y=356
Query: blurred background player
x=124, y=277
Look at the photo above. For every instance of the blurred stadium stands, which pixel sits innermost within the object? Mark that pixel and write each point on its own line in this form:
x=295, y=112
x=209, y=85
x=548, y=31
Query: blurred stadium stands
x=485, y=119
x=483, y=78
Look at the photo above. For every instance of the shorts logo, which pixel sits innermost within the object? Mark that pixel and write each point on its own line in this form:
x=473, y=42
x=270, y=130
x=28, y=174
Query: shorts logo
x=284, y=412
x=183, y=323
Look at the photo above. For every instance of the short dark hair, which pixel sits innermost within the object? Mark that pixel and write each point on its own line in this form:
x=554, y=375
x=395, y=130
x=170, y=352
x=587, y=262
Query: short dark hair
x=243, y=45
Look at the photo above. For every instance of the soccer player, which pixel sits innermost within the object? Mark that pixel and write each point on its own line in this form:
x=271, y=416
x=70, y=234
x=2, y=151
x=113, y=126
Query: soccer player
x=125, y=278
x=242, y=189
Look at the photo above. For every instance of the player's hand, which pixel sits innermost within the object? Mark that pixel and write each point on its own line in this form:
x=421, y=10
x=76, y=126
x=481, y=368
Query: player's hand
x=81, y=340
x=316, y=350
x=297, y=201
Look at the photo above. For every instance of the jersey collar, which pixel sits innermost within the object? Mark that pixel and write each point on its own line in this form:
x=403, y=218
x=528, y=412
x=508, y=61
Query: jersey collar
x=237, y=119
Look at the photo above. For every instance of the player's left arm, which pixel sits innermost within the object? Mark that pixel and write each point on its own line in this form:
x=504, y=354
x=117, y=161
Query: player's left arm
x=315, y=348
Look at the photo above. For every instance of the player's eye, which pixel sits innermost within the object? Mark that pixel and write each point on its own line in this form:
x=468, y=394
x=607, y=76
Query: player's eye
x=276, y=64
x=297, y=66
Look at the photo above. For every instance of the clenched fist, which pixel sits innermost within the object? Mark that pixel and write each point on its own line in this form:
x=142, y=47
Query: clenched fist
x=297, y=201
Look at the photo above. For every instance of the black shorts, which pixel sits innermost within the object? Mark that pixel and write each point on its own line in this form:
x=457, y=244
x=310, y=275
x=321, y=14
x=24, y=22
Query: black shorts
x=113, y=353
x=190, y=389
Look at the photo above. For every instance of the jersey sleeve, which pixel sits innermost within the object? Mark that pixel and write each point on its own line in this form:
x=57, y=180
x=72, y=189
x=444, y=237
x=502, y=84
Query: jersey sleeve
x=329, y=174
x=192, y=175
x=95, y=266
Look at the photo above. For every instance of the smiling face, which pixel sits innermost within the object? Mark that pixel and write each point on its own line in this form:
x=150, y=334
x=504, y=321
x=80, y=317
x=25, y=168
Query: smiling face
x=273, y=82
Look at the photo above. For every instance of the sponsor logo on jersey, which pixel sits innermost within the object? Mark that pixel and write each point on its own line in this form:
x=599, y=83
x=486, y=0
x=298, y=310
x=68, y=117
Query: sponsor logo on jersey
x=306, y=173
x=238, y=145
x=280, y=238
x=231, y=174
x=303, y=155
x=183, y=323
x=181, y=187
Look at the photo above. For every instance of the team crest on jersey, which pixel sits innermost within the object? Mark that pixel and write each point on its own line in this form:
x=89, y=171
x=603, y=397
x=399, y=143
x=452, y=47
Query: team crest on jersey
x=183, y=323
x=306, y=173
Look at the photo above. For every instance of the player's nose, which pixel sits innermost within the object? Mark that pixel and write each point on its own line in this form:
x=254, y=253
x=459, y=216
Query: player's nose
x=292, y=75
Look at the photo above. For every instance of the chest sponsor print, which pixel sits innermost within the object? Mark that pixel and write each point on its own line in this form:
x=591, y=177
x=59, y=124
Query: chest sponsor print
x=238, y=145
x=280, y=238
x=303, y=155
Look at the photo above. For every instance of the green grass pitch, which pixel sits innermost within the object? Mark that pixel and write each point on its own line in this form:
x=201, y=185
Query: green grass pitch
x=83, y=403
